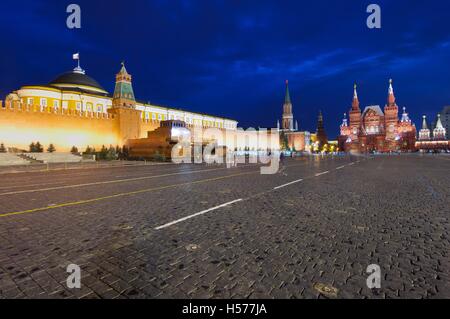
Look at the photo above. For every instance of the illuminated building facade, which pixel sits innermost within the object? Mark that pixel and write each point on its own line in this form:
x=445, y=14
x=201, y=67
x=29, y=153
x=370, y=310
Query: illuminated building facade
x=433, y=140
x=376, y=131
x=75, y=110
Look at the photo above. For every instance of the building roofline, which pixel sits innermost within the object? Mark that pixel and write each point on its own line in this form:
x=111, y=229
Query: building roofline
x=98, y=95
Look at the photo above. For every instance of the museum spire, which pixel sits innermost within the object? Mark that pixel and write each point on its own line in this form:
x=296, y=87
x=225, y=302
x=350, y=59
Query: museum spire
x=355, y=104
x=405, y=116
x=344, y=121
x=391, y=96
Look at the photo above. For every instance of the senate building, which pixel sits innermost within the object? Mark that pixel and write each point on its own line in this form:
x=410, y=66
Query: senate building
x=75, y=110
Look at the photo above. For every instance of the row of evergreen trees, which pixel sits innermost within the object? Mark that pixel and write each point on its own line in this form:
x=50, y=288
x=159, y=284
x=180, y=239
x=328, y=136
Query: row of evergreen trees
x=108, y=154
x=38, y=148
x=105, y=153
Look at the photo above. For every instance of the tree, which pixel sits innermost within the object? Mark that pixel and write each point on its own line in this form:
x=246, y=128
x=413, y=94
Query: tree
x=284, y=144
x=125, y=153
x=51, y=148
x=39, y=148
x=32, y=147
x=88, y=150
x=102, y=155
x=158, y=157
x=111, y=154
x=2, y=148
x=74, y=150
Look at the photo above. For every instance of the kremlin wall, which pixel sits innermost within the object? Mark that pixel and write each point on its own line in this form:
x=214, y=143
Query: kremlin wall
x=75, y=110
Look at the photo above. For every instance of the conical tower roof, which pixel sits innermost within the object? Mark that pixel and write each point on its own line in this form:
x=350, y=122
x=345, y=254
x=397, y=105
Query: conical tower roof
x=355, y=103
x=287, y=98
x=391, y=96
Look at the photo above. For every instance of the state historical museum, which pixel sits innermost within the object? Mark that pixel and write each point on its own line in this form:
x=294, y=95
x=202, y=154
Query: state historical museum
x=375, y=131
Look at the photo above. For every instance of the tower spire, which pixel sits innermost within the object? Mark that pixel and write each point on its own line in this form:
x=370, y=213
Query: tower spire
x=424, y=123
x=287, y=98
x=439, y=122
x=405, y=116
x=355, y=103
x=344, y=121
x=288, y=116
x=391, y=96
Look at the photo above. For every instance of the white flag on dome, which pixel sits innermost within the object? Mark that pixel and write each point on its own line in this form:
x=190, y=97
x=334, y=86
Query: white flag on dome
x=76, y=56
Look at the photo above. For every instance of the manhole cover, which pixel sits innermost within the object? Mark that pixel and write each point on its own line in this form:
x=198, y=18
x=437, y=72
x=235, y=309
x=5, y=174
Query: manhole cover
x=192, y=247
x=326, y=290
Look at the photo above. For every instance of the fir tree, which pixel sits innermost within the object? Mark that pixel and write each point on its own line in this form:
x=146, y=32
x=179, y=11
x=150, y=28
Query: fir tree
x=103, y=153
x=74, y=150
x=125, y=153
x=51, y=148
x=111, y=153
x=2, y=148
x=39, y=148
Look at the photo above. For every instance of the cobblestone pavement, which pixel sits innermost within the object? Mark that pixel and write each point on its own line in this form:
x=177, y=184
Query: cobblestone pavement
x=320, y=221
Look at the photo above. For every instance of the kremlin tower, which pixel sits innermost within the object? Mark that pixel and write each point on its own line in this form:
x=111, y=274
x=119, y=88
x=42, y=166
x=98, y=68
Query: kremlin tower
x=320, y=133
x=123, y=92
x=288, y=116
x=124, y=107
x=290, y=136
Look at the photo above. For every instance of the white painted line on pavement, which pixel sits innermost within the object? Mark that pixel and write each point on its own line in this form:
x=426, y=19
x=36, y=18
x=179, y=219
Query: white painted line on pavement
x=323, y=173
x=196, y=214
x=351, y=164
x=340, y=167
x=297, y=181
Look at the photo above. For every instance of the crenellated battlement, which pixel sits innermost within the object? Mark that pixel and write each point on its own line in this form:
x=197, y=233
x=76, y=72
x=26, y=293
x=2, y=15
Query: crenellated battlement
x=18, y=107
x=21, y=125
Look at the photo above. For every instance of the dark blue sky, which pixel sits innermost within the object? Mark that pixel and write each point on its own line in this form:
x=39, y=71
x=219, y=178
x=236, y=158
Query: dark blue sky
x=231, y=58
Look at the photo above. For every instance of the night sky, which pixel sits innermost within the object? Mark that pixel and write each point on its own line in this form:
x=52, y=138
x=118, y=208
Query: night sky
x=231, y=58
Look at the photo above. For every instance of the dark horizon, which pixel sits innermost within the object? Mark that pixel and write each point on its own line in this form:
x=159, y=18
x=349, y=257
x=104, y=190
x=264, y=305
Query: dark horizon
x=231, y=59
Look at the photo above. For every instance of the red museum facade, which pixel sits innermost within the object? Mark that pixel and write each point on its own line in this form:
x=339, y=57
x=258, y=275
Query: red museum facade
x=373, y=130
